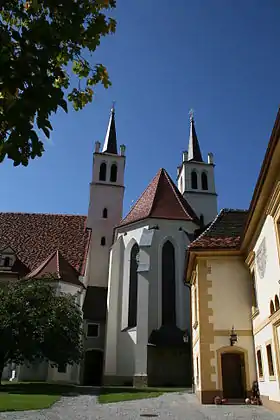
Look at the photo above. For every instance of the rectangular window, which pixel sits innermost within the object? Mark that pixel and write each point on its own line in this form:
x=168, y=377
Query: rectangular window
x=260, y=366
x=270, y=360
x=93, y=330
x=62, y=368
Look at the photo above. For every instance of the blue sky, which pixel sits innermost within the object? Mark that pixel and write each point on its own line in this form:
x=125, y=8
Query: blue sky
x=219, y=57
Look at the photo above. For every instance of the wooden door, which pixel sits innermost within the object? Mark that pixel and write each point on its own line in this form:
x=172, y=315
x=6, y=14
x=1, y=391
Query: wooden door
x=232, y=375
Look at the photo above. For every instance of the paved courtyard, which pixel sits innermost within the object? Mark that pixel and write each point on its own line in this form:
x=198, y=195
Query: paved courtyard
x=179, y=406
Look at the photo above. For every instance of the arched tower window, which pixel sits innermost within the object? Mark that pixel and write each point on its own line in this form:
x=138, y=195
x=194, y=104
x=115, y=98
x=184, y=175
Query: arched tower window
x=168, y=284
x=103, y=241
x=114, y=173
x=204, y=181
x=276, y=301
x=105, y=213
x=194, y=180
x=272, y=309
x=133, y=286
x=102, y=171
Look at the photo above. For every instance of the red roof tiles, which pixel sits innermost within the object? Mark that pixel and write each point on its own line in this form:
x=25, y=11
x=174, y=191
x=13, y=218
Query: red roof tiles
x=34, y=237
x=224, y=232
x=161, y=200
x=57, y=266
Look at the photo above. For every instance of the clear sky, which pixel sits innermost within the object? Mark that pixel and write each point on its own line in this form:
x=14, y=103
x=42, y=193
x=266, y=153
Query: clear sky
x=220, y=57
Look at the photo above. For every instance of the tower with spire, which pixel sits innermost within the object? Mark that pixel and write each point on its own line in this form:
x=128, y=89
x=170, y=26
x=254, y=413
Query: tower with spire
x=196, y=180
x=106, y=202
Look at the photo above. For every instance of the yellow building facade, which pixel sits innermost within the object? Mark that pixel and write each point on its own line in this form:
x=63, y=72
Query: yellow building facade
x=234, y=273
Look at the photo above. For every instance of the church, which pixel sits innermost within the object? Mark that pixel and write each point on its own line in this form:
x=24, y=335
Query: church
x=174, y=293
x=127, y=273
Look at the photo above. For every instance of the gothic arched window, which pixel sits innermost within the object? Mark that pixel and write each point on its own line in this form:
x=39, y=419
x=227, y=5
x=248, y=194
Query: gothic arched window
x=276, y=301
x=133, y=286
x=168, y=284
x=114, y=173
x=204, y=181
x=272, y=309
x=103, y=241
x=194, y=180
x=105, y=213
x=102, y=171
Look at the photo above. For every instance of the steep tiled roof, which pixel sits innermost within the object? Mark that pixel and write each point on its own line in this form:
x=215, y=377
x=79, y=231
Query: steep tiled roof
x=224, y=232
x=161, y=200
x=34, y=237
x=58, y=267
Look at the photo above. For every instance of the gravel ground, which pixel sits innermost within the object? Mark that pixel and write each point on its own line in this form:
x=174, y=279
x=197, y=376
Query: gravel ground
x=179, y=406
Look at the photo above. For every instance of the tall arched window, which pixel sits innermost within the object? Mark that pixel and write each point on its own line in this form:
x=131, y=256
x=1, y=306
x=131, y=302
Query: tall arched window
x=102, y=171
x=201, y=219
x=194, y=180
x=103, y=241
x=133, y=286
x=276, y=301
x=105, y=213
x=168, y=284
x=204, y=181
x=114, y=173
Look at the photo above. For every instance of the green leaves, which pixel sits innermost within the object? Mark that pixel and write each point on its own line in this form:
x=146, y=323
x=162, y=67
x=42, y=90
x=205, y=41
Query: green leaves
x=38, y=41
x=35, y=323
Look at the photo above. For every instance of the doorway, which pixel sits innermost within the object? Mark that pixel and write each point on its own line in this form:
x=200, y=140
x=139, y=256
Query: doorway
x=233, y=377
x=93, y=367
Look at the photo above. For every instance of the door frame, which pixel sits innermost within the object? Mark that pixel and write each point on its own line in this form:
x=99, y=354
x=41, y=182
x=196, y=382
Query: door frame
x=239, y=350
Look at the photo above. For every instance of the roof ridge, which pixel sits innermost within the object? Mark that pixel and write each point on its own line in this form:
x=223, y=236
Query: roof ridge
x=160, y=172
x=42, y=265
x=58, y=254
x=176, y=191
x=141, y=197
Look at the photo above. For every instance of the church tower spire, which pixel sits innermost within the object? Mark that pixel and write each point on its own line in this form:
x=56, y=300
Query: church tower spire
x=194, y=152
x=110, y=144
x=196, y=179
x=106, y=202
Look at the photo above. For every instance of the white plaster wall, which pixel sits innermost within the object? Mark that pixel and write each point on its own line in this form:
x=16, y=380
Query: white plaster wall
x=267, y=387
x=104, y=194
x=203, y=202
x=268, y=286
x=231, y=293
x=70, y=376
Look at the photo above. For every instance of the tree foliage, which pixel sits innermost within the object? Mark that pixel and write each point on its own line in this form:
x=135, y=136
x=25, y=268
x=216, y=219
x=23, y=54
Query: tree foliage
x=39, y=41
x=38, y=324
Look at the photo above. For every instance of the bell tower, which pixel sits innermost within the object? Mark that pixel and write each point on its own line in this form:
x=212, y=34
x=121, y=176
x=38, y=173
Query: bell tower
x=196, y=180
x=106, y=202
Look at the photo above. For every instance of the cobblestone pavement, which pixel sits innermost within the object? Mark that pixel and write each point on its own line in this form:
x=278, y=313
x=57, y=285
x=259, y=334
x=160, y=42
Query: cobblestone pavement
x=179, y=406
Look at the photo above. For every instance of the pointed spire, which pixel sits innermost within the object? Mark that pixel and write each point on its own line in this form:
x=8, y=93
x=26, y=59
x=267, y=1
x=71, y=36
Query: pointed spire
x=110, y=144
x=194, y=152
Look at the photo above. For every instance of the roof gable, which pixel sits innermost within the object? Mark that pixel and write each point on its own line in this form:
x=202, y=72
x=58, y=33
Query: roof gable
x=34, y=237
x=57, y=266
x=161, y=200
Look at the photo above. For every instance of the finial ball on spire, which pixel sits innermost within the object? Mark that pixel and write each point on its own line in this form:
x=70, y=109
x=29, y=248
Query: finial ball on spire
x=191, y=114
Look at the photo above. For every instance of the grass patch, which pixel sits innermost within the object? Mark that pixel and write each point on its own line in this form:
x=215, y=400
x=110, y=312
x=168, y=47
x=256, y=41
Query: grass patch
x=127, y=396
x=18, y=402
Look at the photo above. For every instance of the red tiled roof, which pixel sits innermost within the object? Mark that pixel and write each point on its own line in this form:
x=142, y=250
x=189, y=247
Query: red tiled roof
x=58, y=267
x=161, y=200
x=34, y=237
x=224, y=232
